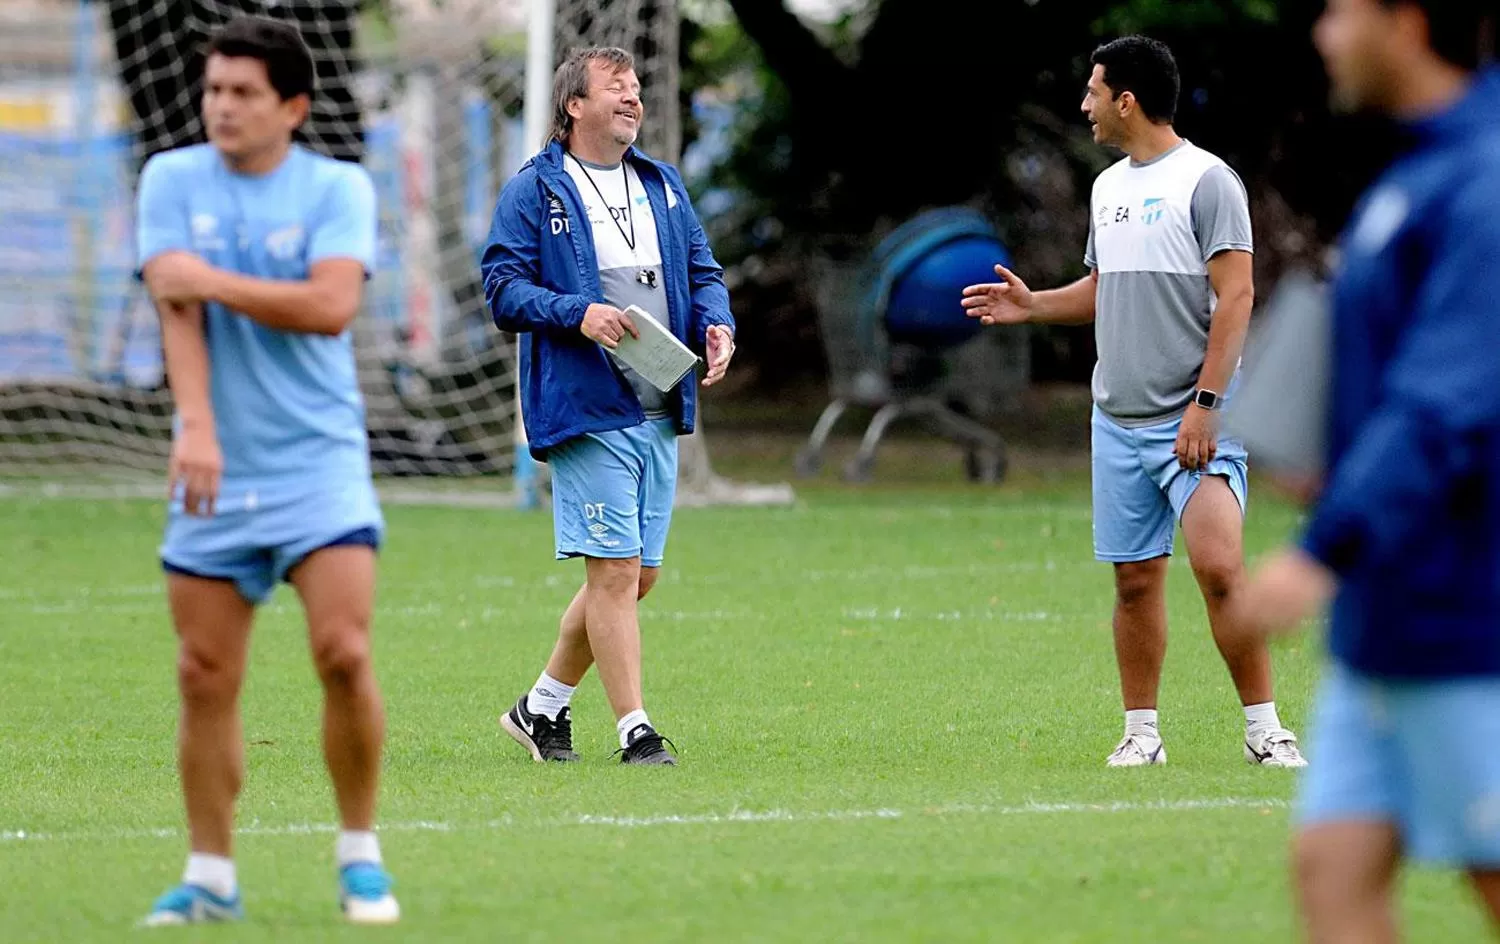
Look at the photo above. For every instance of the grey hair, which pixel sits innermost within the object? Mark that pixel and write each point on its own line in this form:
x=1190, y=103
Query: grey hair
x=572, y=81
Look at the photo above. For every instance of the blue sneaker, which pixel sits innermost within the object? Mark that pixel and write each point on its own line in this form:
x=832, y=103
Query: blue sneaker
x=365, y=894
x=193, y=904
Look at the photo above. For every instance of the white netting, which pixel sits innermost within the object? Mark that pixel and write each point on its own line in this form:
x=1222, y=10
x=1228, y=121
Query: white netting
x=428, y=98
x=427, y=94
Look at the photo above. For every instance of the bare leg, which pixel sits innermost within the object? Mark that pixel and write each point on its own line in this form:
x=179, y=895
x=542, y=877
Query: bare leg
x=1487, y=884
x=213, y=629
x=1212, y=529
x=1345, y=873
x=572, y=655
x=1140, y=624
x=337, y=587
x=614, y=631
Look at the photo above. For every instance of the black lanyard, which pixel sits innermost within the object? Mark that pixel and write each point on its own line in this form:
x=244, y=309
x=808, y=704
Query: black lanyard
x=629, y=240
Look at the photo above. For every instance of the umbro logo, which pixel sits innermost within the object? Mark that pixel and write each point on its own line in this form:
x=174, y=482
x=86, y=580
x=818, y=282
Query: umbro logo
x=557, y=217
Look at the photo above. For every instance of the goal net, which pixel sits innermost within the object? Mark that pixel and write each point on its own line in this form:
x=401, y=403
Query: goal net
x=427, y=94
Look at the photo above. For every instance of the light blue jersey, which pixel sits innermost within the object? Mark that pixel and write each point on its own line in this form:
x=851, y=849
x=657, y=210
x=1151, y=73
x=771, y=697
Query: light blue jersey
x=287, y=407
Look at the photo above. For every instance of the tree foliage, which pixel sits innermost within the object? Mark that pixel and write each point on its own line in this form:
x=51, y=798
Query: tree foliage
x=915, y=103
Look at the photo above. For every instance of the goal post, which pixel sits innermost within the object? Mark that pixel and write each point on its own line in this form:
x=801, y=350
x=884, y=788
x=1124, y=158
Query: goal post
x=441, y=100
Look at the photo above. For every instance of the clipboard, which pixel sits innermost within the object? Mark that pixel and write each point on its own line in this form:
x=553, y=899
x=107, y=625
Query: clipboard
x=1280, y=409
x=657, y=355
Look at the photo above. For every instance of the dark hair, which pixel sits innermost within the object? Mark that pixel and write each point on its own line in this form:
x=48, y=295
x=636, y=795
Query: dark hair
x=278, y=45
x=1460, y=32
x=1145, y=68
x=572, y=81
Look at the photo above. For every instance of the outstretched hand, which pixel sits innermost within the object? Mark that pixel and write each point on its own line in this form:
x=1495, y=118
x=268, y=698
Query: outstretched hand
x=999, y=303
x=1287, y=589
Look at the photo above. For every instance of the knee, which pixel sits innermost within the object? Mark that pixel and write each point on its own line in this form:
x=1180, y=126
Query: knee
x=1216, y=576
x=206, y=679
x=1138, y=584
x=616, y=578
x=647, y=581
x=342, y=654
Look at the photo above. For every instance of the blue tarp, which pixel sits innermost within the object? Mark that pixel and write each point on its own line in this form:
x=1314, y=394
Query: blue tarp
x=67, y=250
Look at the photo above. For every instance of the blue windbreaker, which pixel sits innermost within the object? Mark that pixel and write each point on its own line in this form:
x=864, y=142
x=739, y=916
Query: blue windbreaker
x=541, y=274
x=1410, y=515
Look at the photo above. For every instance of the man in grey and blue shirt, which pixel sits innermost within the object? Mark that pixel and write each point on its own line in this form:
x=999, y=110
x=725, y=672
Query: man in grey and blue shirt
x=1170, y=291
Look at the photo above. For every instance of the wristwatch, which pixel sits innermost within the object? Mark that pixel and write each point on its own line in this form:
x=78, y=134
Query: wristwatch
x=1208, y=399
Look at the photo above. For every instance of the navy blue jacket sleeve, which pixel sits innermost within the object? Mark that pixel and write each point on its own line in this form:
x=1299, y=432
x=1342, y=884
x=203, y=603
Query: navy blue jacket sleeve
x=710, y=298
x=511, y=265
x=1440, y=395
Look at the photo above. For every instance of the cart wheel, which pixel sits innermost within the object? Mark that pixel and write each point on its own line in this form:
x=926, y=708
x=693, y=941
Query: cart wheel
x=987, y=466
x=859, y=469
x=808, y=462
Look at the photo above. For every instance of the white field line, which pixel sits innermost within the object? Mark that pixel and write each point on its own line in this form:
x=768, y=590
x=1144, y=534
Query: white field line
x=486, y=584
x=733, y=817
x=150, y=490
x=463, y=613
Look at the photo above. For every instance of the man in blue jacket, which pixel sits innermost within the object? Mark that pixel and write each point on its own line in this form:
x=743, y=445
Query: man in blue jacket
x=1405, y=532
x=587, y=228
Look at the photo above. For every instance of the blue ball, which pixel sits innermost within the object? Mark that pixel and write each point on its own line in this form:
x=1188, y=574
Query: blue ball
x=924, y=306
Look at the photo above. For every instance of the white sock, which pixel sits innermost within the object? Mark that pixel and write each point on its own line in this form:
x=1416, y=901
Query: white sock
x=548, y=697
x=1141, y=721
x=358, y=846
x=213, y=872
x=629, y=723
x=1261, y=716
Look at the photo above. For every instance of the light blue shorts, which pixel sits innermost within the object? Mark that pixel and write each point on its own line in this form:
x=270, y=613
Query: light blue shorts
x=612, y=492
x=1140, y=490
x=257, y=535
x=1421, y=756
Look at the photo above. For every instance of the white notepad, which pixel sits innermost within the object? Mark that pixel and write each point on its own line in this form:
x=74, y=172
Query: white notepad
x=656, y=355
x=1280, y=410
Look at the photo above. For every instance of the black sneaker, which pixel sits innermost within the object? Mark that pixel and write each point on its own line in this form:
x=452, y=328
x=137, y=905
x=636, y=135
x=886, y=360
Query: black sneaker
x=644, y=746
x=544, y=738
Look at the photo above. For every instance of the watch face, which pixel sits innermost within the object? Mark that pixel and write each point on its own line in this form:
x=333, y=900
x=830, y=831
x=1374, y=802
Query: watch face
x=1207, y=399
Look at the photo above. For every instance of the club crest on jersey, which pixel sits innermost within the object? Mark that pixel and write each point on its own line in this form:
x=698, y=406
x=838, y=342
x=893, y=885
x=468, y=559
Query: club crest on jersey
x=287, y=242
x=1152, y=210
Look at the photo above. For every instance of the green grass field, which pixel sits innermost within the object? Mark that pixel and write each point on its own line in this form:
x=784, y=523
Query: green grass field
x=892, y=707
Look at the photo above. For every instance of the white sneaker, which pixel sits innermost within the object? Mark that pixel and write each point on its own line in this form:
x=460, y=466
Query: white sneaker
x=1273, y=747
x=365, y=894
x=1138, y=750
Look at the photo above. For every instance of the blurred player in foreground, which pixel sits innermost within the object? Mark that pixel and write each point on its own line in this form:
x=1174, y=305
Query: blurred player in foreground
x=589, y=227
x=1405, y=534
x=1170, y=294
x=256, y=252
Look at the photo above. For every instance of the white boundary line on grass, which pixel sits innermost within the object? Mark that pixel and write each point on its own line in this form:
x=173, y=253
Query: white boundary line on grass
x=733, y=817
